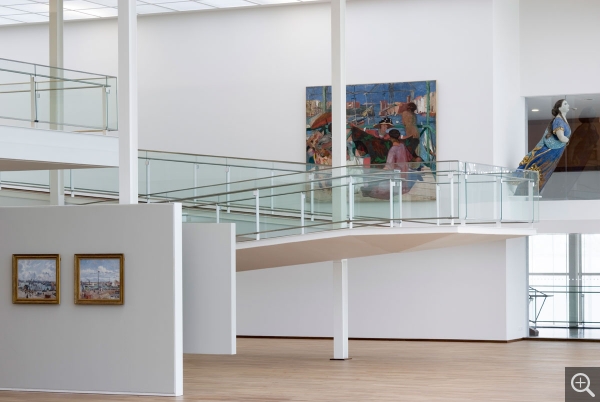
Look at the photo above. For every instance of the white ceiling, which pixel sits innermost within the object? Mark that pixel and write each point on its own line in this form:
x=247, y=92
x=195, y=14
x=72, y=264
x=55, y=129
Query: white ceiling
x=36, y=11
x=587, y=105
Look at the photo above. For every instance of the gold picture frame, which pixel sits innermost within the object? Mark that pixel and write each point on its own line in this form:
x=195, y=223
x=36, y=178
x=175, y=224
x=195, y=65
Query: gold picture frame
x=36, y=279
x=99, y=279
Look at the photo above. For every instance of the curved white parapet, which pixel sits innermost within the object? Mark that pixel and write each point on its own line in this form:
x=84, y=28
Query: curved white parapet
x=37, y=149
x=354, y=243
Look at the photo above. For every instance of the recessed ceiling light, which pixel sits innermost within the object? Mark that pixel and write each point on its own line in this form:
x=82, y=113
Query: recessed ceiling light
x=535, y=110
x=589, y=99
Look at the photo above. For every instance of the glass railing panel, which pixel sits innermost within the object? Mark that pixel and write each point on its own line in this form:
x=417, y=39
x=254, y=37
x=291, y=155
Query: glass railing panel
x=54, y=98
x=82, y=103
x=32, y=178
x=101, y=180
x=169, y=176
x=16, y=97
x=483, y=197
x=371, y=196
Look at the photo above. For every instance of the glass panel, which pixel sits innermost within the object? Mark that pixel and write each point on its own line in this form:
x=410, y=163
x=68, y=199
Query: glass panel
x=554, y=310
x=28, y=93
x=548, y=254
x=591, y=254
x=577, y=173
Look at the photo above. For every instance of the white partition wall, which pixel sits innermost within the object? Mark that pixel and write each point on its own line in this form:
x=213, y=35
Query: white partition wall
x=131, y=348
x=474, y=292
x=209, y=286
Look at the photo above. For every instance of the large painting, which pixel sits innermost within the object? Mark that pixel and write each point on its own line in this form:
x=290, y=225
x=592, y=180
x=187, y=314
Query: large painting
x=389, y=126
x=372, y=112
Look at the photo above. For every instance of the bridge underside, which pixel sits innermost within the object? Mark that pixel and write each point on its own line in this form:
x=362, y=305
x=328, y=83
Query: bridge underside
x=354, y=243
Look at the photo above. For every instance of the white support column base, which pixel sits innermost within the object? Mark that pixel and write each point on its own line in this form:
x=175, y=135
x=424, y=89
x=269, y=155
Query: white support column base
x=340, y=310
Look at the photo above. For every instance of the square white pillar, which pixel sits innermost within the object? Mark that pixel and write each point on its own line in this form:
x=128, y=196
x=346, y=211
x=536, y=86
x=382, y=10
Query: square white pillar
x=128, y=103
x=57, y=181
x=340, y=310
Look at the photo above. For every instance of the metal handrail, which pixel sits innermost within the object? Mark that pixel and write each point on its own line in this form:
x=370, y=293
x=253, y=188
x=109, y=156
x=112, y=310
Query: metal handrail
x=64, y=69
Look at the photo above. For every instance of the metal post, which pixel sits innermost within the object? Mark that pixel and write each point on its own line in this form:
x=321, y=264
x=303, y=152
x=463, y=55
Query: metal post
x=71, y=182
x=147, y=180
x=391, y=203
x=530, y=198
x=451, y=177
x=400, y=202
x=302, y=201
x=0, y=180
x=218, y=211
x=257, y=205
x=228, y=187
x=463, y=202
x=351, y=201
x=33, y=101
x=104, y=109
x=311, y=177
x=437, y=202
x=272, y=193
x=196, y=167
x=497, y=205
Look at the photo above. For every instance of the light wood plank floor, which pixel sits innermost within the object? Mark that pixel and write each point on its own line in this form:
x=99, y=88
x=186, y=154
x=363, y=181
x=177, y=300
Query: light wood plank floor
x=300, y=370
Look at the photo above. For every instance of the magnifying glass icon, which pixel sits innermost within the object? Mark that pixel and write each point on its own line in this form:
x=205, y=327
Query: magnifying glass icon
x=581, y=383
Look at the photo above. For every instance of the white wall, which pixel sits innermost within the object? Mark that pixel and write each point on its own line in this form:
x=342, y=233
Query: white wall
x=510, y=141
x=452, y=293
x=559, y=42
x=133, y=348
x=232, y=82
x=517, y=291
x=209, y=291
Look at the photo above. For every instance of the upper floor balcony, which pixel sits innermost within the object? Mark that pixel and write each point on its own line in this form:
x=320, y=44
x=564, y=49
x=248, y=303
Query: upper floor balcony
x=55, y=118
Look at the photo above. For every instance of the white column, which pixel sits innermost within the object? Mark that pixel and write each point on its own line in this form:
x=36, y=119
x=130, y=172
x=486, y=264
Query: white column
x=338, y=106
x=574, y=283
x=57, y=182
x=338, y=81
x=128, y=103
x=57, y=187
x=340, y=310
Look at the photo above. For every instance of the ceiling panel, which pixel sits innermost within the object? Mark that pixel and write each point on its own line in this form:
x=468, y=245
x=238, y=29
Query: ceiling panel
x=186, y=6
x=37, y=11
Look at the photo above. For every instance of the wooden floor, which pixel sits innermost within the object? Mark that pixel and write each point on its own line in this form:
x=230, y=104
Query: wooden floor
x=300, y=370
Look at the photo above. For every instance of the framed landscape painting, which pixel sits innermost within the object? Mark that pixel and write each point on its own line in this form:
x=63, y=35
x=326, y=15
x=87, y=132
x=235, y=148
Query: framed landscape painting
x=36, y=279
x=99, y=278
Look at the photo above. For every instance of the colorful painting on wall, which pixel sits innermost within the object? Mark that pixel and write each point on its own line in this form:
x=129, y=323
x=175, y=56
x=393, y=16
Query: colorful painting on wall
x=99, y=279
x=372, y=112
x=389, y=126
x=36, y=279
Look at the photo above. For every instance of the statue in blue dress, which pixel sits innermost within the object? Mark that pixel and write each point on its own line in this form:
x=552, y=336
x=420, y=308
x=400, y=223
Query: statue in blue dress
x=546, y=154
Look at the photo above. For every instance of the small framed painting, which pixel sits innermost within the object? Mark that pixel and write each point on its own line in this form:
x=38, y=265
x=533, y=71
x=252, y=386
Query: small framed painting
x=36, y=279
x=99, y=278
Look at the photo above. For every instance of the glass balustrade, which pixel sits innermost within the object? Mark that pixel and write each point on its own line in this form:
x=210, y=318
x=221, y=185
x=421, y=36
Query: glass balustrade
x=353, y=197
x=272, y=199
x=33, y=95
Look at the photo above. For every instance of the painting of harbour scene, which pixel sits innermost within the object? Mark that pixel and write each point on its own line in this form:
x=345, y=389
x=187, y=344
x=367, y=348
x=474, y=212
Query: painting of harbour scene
x=99, y=279
x=390, y=126
x=36, y=279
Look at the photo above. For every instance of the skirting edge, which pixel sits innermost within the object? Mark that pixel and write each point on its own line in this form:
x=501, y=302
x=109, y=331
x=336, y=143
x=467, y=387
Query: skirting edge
x=58, y=391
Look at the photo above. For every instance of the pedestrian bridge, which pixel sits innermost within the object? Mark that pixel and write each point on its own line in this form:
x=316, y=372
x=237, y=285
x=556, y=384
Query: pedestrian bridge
x=288, y=214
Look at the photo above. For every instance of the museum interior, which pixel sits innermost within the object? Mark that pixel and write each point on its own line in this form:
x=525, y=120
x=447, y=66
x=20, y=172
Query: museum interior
x=388, y=200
